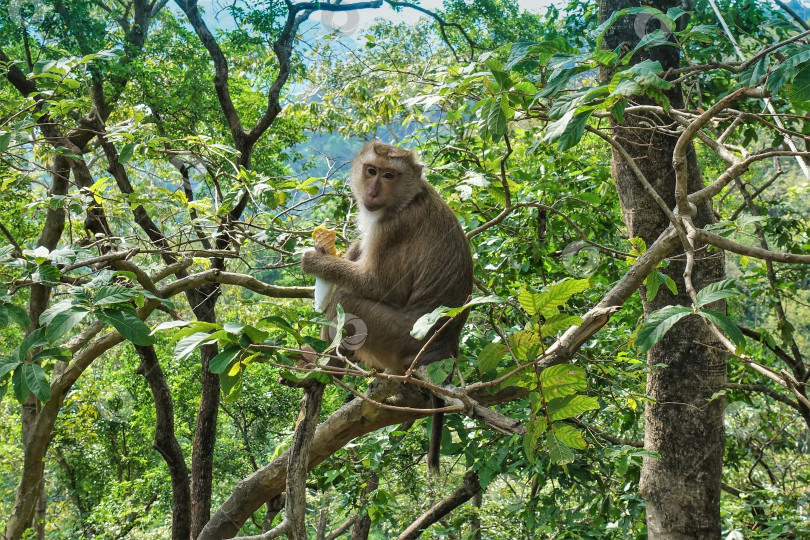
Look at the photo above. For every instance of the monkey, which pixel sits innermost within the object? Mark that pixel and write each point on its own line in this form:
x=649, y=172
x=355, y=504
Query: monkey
x=412, y=257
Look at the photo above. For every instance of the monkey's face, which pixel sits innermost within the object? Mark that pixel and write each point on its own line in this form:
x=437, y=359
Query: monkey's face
x=385, y=178
x=379, y=183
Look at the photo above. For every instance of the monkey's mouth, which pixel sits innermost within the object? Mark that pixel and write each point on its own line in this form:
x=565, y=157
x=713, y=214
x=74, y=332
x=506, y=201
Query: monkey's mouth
x=372, y=206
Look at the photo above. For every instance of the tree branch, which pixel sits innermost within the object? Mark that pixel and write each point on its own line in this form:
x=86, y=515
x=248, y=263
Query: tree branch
x=762, y=389
x=166, y=441
x=468, y=489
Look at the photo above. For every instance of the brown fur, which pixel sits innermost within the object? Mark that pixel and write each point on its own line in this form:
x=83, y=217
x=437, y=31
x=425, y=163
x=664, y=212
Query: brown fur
x=412, y=257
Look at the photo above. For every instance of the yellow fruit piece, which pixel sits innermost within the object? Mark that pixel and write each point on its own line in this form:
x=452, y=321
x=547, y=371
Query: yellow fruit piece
x=325, y=238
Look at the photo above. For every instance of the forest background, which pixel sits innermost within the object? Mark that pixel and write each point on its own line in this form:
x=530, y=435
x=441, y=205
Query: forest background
x=634, y=183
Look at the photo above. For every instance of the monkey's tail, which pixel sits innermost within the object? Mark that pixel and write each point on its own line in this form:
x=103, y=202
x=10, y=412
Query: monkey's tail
x=435, y=447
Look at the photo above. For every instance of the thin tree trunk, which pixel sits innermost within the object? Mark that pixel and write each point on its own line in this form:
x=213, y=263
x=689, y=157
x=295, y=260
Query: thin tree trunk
x=475, y=523
x=683, y=423
x=362, y=526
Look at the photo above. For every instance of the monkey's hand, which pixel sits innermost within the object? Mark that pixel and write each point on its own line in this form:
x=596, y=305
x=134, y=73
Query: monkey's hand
x=314, y=259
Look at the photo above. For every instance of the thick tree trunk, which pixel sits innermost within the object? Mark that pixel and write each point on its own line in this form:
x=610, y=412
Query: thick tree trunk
x=203, y=302
x=683, y=424
x=166, y=442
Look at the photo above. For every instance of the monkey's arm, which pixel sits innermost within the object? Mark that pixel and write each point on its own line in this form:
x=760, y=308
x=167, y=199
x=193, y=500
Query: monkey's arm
x=353, y=253
x=344, y=273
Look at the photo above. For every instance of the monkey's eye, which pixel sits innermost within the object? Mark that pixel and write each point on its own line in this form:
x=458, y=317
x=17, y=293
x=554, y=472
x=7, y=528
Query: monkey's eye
x=371, y=171
x=389, y=175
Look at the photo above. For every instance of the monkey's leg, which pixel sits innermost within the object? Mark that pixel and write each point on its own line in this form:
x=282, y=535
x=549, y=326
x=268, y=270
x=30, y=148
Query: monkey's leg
x=383, y=321
x=386, y=322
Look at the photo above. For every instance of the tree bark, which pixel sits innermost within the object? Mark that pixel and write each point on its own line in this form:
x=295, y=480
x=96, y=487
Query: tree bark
x=166, y=442
x=362, y=525
x=467, y=491
x=205, y=433
x=683, y=423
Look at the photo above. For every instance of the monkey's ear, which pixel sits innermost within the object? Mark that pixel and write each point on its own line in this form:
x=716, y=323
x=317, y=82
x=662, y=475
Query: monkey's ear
x=417, y=167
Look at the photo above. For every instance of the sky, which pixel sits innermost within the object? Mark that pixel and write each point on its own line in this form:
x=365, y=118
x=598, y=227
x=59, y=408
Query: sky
x=216, y=16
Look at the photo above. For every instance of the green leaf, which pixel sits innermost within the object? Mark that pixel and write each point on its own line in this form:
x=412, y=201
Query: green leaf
x=7, y=364
x=62, y=256
x=424, y=323
x=653, y=283
x=560, y=76
x=18, y=315
x=752, y=76
x=21, y=390
x=617, y=110
x=562, y=380
x=31, y=341
x=558, y=452
x=800, y=86
x=5, y=139
x=531, y=302
x=725, y=323
x=525, y=344
x=48, y=273
x=569, y=436
x=37, y=381
x=233, y=328
x=535, y=429
x=658, y=323
x=221, y=361
x=568, y=130
x=501, y=77
x=439, y=372
x=59, y=353
x=48, y=315
x=127, y=151
x=560, y=321
x=520, y=50
x=673, y=288
x=128, y=325
x=716, y=291
x=795, y=57
x=490, y=299
x=232, y=386
x=490, y=356
x=254, y=334
x=63, y=322
x=189, y=344
x=114, y=294
x=167, y=325
x=495, y=119
x=570, y=406
x=556, y=295
x=281, y=323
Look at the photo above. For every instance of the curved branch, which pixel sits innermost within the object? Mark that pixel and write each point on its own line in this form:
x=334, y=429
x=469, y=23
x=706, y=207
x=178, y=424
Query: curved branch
x=442, y=25
x=689, y=132
x=467, y=491
x=796, y=17
x=776, y=256
x=189, y=7
x=762, y=389
x=231, y=278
